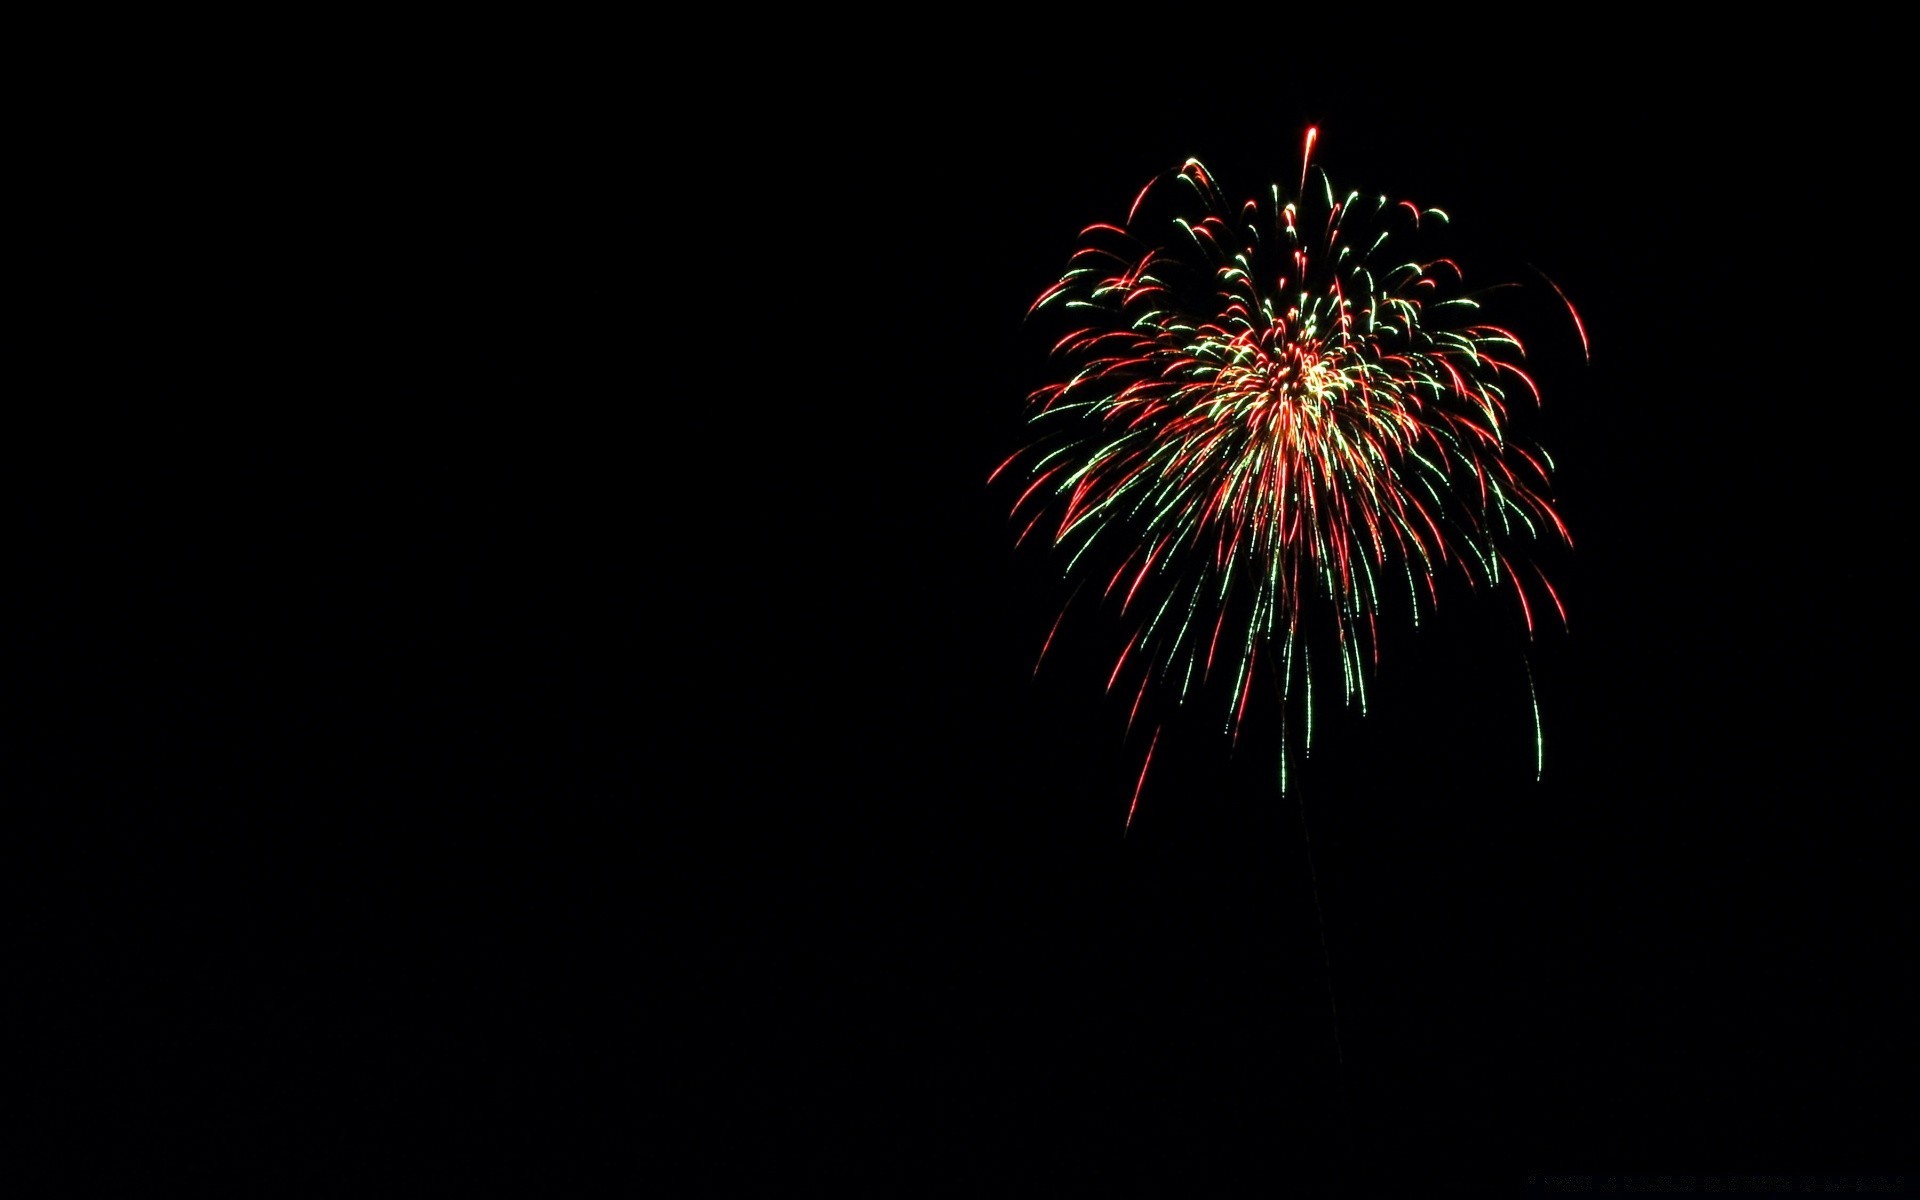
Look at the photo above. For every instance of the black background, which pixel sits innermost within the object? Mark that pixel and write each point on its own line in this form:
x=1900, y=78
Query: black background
x=523, y=667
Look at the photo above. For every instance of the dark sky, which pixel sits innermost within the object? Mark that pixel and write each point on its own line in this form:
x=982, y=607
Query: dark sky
x=524, y=666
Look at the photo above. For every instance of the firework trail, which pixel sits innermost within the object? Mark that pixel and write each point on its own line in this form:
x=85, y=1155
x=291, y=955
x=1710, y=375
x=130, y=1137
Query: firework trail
x=1275, y=420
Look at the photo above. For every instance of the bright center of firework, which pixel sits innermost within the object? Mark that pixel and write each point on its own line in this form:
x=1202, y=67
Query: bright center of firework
x=1301, y=382
x=1318, y=381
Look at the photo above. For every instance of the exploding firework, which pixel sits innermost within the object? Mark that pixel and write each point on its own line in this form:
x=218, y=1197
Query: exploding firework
x=1273, y=423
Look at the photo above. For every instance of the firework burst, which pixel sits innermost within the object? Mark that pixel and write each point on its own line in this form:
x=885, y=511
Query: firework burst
x=1276, y=419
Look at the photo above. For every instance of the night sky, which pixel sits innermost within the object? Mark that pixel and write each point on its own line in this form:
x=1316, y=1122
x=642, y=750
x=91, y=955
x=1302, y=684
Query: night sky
x=524, y=668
